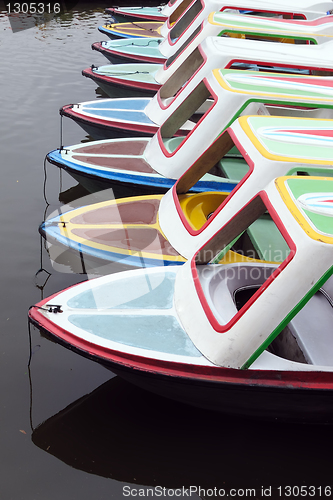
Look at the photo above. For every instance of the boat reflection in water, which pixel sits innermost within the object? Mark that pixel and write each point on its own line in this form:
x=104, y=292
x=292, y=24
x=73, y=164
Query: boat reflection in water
x=122, y=432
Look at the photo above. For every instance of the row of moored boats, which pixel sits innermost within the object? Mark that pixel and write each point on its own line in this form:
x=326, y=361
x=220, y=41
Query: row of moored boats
x=226, y=119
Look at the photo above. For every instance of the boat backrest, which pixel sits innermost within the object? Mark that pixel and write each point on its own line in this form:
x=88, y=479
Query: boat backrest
x=211, y=45
x=316, y=316
x=223, y=285
x=235, y=93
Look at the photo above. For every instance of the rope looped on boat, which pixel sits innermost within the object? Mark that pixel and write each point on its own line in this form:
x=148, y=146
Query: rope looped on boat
x=149, y=42
x=52, y=308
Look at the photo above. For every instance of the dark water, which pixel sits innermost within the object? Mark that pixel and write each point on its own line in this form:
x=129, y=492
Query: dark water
x=69, y=429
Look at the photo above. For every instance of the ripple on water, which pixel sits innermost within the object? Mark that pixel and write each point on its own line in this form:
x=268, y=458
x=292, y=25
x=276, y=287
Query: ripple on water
x=44, y=69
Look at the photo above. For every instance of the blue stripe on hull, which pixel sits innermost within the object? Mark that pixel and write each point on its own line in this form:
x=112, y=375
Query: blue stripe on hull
x=144, y=179
x=52, y=231
x=117, y=104
x=123, y=110
x=121, y=116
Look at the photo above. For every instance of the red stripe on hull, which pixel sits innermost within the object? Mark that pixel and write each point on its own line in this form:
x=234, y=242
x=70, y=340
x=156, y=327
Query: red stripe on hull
x=120, y=82
x=287, y=380
x=110, y=54
x=107, y=125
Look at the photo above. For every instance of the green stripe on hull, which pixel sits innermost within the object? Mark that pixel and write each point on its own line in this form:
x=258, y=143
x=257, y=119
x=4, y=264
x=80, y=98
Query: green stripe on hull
x=288, y=318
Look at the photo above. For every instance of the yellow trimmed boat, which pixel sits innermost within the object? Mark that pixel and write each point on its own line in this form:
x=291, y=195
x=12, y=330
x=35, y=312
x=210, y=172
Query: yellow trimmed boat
x=248, y=339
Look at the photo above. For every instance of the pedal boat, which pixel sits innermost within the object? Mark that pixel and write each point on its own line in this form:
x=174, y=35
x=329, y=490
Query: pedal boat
x=139, y=78
x=234, y=93
x=145, y=231
x=104, y=118
x=250, y=339
x=148, y=50
x=155, y=20
x=202, y=53
x=114, y=163
x=228, y=94
x=107, y=118
x=151, y=19
x=190, y=23
x=308, y=9
x=140, y=49
x=200, y=9
x=297, y=36
x=183, y=22
x=270, y=147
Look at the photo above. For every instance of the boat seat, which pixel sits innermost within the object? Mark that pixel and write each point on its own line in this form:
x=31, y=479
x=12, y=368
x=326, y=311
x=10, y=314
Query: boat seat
x=316, y=316
x=172, y=144
x=233, y=168
x=267, y=240
x=198, y=207
x=221, y=283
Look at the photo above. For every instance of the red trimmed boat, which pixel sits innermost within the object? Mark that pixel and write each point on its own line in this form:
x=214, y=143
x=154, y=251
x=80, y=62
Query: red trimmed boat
x=135, y=80
x=249, y=339
x=123, y=14
x=109, y=118
x=144, y=50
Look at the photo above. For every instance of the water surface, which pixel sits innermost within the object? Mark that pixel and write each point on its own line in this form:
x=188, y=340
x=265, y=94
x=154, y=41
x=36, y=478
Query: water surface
x=69, y=430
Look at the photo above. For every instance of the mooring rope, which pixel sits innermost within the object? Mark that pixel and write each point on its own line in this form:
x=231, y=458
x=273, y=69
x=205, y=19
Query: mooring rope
x=92, y=67
x=135, y=44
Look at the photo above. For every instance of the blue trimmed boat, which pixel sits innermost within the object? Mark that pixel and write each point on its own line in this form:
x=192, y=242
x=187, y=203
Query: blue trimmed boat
x=235, y=92
x=154, y=230
x=178, y=28
x=183, y=21
x=107, y=163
